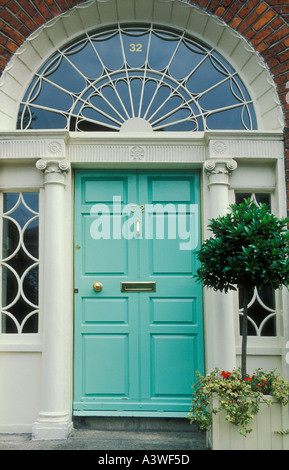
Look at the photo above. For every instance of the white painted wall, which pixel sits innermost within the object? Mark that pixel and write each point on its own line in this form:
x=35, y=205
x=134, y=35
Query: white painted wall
x=20, y=390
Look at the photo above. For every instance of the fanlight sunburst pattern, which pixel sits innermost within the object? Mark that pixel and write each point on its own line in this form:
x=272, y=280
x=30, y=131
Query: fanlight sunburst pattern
x=143, y=78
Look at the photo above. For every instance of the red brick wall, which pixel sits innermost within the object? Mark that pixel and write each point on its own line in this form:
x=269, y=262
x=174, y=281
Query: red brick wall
x=265, y=24
x=19, y=18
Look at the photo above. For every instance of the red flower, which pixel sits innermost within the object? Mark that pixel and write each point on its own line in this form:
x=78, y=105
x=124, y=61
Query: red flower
x=225, y=374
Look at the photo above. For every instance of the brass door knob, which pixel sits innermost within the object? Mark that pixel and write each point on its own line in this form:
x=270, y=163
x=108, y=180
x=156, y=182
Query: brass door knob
x=97, y=286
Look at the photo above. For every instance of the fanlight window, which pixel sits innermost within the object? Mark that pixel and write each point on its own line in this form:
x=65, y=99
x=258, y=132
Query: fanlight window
x=143, y=78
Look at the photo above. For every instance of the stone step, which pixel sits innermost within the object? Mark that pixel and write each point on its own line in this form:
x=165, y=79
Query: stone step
x=142, y=424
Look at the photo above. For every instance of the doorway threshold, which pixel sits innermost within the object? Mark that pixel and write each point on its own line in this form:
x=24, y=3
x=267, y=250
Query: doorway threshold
x=127, y=413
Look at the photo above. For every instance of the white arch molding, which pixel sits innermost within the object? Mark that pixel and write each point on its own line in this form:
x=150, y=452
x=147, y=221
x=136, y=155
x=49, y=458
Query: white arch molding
x=88, y=16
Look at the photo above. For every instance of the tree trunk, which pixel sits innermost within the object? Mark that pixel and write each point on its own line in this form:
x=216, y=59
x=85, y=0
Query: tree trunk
x=244, y=332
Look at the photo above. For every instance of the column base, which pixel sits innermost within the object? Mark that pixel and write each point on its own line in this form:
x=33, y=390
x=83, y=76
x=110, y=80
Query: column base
x=52, y=426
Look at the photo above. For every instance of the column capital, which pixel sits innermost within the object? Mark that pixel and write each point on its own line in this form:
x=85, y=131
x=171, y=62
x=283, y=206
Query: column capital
x=54, y=170
x=224, y=166
x=219, y=170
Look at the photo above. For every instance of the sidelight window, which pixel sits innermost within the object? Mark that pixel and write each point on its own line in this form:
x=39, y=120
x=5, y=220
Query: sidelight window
x=262, y=304
x=20, y=263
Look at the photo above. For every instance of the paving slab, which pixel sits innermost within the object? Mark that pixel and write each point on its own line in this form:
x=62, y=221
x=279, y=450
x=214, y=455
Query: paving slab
x=109, y=440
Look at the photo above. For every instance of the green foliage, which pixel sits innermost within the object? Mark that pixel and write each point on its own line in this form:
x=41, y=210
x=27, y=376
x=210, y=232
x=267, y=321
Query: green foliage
x=282, y=433
x=250, y=247
x=239, y=398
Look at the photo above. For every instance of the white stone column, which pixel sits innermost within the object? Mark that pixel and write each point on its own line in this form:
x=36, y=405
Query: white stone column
x=54, y=420
x=220, y=315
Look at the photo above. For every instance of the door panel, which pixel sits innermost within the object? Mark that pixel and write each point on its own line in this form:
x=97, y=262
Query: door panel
x=136, y=351
x=171, y=354
x=106, y=353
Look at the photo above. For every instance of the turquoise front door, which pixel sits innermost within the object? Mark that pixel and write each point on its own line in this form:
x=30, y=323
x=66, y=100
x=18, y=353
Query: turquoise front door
x=138, y=340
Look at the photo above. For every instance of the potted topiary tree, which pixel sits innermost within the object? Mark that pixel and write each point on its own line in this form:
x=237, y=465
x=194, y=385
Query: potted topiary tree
x=249, y=249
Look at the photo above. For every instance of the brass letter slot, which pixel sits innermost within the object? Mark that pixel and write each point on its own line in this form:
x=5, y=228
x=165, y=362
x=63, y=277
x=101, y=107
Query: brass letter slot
x=138, y=287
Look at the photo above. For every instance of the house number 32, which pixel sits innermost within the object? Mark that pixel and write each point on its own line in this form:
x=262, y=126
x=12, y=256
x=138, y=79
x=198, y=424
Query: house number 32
x=135, y=47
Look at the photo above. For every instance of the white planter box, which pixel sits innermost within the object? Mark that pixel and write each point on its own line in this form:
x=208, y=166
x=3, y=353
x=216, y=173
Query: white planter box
x=225, y=436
